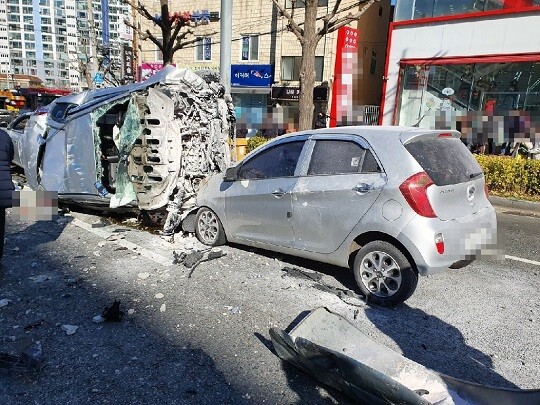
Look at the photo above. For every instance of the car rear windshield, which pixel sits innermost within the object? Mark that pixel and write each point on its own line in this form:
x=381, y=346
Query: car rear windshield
x=446, y=160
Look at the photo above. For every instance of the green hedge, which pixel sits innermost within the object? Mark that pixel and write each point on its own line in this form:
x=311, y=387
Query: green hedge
x=510, y=176
x=254, y=142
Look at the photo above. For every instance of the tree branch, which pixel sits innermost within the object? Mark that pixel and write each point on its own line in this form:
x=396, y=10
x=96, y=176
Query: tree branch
x=341, y=22
x=294, y=27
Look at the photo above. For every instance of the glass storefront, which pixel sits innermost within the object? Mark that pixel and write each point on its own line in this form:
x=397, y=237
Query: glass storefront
x=417, y=9
x=495, y=101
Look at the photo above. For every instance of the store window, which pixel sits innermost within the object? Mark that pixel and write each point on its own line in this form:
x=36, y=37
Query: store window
x=496, y=101
x=418, y=9
x=290, y=68
x=250, y=48
x=203, y=49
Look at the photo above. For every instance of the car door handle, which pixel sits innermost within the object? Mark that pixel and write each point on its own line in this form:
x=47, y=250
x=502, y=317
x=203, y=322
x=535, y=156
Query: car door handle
x=363, y=188
x=278, y=193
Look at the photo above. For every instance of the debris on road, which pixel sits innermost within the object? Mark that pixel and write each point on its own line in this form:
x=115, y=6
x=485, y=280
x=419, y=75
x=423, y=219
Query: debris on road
x=69, y=329
x=338, y=354
x=303, y=274
x=113, y=313
x=29, y=360
x=193, y=259
x=40, y=278
x=34, y=324
x=143, y=276
x=159, y=296
x=347, y=296
x=4, y=302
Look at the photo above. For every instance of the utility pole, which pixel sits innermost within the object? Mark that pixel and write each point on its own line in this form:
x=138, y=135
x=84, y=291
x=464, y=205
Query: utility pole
x=92, y=68
x=135, y=66
x=225, y=44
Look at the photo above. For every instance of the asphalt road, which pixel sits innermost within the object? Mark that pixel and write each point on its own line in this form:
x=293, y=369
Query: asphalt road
x=204, y=338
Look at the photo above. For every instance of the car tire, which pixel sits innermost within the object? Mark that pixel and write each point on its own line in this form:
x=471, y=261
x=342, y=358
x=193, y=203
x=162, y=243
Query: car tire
x=384, y=274
x=208, y=228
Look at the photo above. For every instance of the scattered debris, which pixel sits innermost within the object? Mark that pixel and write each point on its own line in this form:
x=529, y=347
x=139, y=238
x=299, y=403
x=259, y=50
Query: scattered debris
x=113, y=313
x=69, y=329
x=163, y=308
x=34, y=265
x=98, y=319
x=347, y=296
x=29, y=360
x=193, y=259
x=4, y=302
x=40, y=279
x=303, y=274
x=120, y=248
x=34, y=324
x=100, y=224
x=115, y=237
x=131, y=311
x=96, y=253
x=143, y=276
x=159, y=296
x=15, y=249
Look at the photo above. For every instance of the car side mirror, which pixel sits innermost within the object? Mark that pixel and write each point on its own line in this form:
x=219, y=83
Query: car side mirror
x=231, y=174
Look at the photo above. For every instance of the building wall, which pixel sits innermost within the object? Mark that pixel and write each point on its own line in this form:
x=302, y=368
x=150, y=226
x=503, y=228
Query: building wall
x=373, y=30
x=504, y=34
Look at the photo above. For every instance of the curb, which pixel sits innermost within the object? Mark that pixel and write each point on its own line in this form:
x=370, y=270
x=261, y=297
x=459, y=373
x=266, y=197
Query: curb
x=519, y=207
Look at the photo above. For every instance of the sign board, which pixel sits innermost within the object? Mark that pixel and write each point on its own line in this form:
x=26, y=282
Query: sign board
x=344, y=69
x=251, y=75
x=293, y=93
x=148, y=69
x=127, y=61
x=98, y=78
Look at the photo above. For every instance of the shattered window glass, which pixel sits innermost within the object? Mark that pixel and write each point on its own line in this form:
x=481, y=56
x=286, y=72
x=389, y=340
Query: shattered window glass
x=279, y=161
x=336, y=157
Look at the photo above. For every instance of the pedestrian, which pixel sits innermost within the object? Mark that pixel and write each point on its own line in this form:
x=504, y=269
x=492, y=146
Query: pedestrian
x=6, y=184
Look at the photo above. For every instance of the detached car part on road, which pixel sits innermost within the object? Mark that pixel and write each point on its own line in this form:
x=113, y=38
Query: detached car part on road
x=389, y=202
x=338, y=354
x=141, y=146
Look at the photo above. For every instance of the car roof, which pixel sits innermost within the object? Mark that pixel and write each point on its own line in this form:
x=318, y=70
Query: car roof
x=374, y=133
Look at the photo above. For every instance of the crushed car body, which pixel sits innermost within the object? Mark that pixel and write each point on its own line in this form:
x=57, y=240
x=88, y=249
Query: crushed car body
x=146, y=145
x=338, y=354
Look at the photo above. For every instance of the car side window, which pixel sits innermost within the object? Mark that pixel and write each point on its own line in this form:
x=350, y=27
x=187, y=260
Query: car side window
x=340, y=157
x=279, y=161
x=21, y=124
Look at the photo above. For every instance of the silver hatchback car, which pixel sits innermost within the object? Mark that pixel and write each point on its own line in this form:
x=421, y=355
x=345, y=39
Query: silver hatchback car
x=389, y=202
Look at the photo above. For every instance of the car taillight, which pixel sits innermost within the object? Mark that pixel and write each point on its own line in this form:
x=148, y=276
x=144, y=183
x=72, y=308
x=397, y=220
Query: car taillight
x=414, y=189
x=439, y=243
x=445, y=135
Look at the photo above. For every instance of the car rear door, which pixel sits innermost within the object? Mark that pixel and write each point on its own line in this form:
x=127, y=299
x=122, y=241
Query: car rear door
x=458, y=188
x=258, y=204
x=338, y=186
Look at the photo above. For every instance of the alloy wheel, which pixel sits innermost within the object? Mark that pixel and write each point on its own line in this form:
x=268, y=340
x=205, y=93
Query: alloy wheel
x=380, y=274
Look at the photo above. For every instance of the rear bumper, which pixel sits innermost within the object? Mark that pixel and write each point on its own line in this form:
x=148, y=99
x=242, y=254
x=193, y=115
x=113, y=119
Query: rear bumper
x=465, y=238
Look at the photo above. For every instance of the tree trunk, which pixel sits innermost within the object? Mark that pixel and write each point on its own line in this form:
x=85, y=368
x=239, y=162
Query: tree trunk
x=166, y=33
x=307, y=67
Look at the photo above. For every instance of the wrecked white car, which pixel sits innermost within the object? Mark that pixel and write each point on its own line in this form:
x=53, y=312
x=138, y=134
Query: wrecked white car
x=145, y=146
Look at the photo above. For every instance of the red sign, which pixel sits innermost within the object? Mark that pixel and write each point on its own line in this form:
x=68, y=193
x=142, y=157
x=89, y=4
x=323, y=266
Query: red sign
x=150, y=69
x=346, y=59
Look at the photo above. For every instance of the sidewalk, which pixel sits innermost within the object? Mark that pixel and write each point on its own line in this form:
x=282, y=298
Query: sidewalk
x=512, y=206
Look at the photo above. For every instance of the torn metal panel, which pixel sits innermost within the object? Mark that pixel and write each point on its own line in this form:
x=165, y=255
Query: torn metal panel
x=151, y=143
x=338, y=354
x=154, y=160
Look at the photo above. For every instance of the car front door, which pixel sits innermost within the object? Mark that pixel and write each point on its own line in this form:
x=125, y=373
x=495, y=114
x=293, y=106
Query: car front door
x=342, y=181
x=258, y=204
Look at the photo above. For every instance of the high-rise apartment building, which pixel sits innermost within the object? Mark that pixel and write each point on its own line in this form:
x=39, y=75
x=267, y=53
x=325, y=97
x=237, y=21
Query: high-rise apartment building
x=56, y=40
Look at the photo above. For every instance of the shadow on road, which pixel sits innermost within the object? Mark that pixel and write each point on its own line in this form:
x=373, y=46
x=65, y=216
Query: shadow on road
x=435, y=344
x=344, y=276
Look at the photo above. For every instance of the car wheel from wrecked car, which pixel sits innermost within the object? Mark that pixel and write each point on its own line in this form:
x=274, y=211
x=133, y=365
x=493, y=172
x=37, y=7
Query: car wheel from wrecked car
x=384, y=274
x=209, y=229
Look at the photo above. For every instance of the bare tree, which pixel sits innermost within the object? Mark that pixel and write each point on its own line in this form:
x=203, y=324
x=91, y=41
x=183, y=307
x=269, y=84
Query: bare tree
x=309, y=33
x=176, y=28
